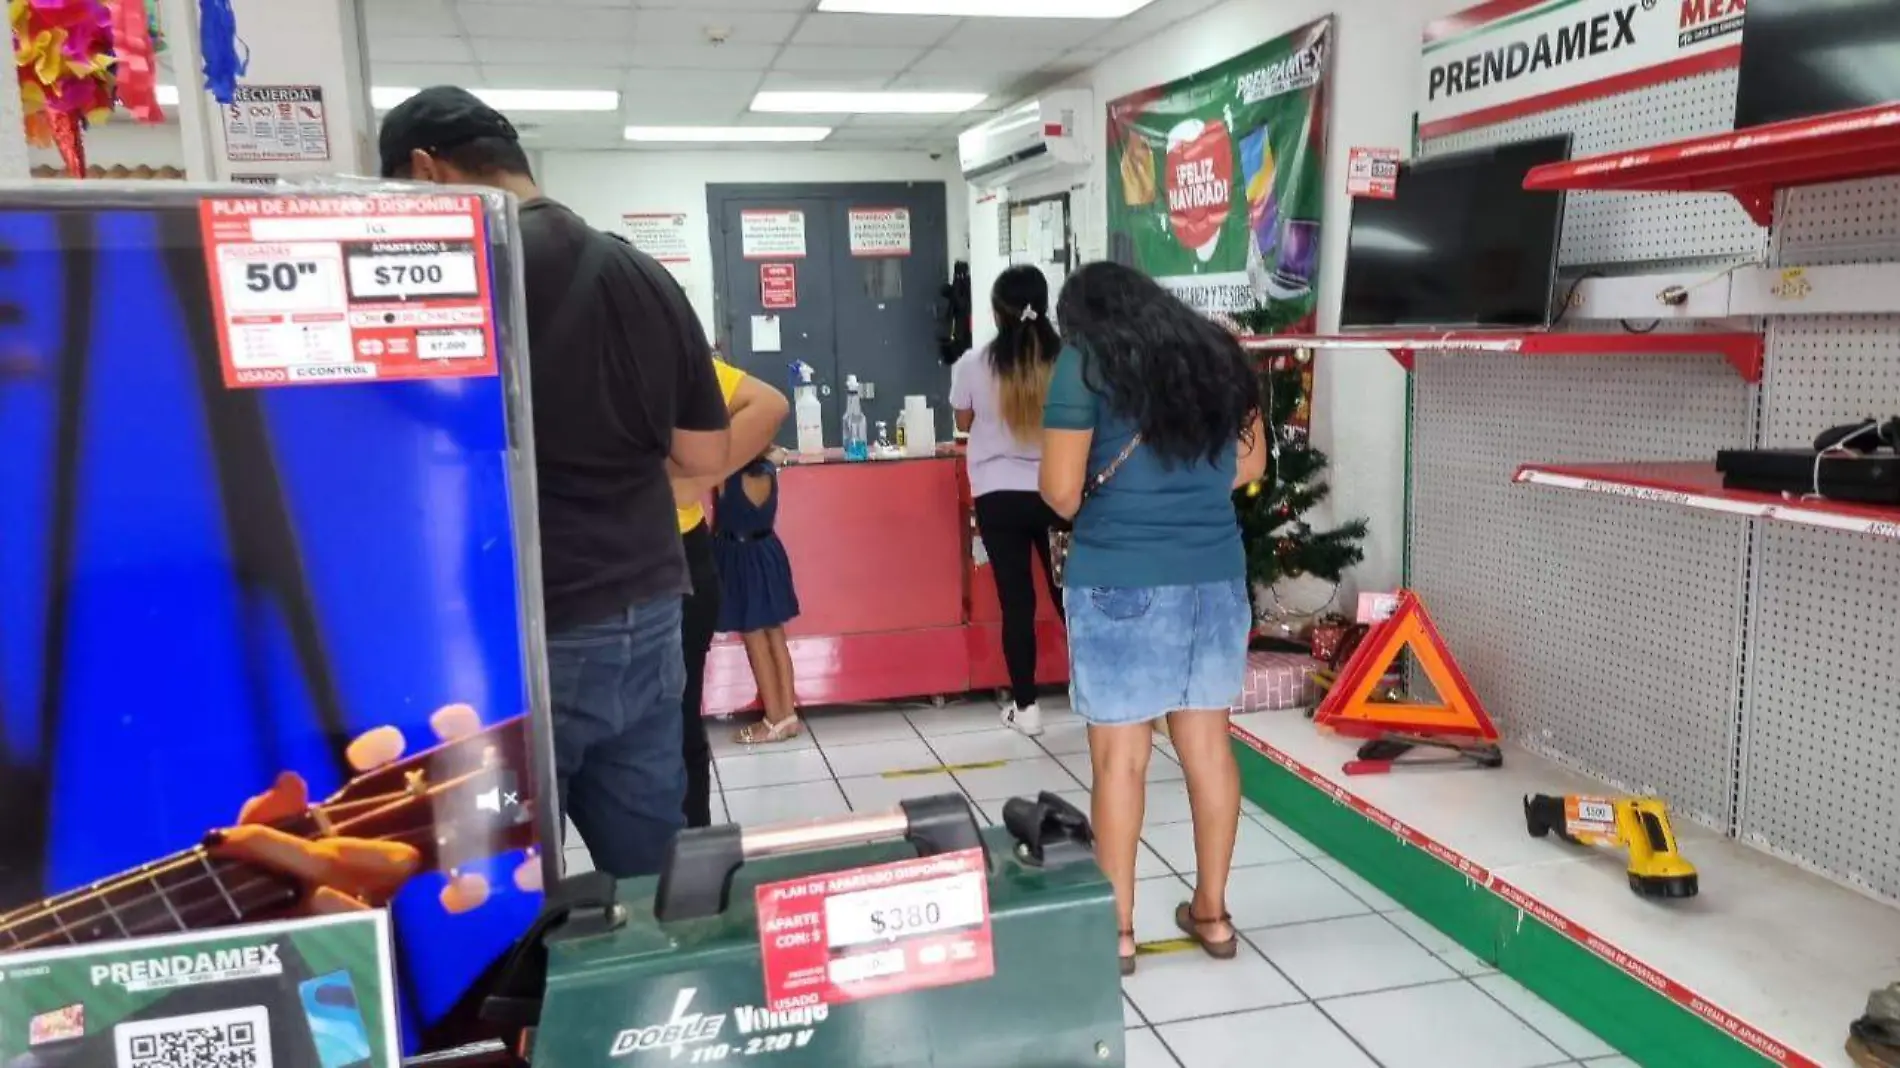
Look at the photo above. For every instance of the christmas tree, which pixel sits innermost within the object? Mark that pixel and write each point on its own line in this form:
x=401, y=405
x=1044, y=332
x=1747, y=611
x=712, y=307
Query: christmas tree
x=1280, y=543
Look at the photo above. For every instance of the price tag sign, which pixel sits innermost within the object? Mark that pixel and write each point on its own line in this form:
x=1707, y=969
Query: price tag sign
x=325, y=289
x=1590, y=819
x=873, y=932
x=1373, y=173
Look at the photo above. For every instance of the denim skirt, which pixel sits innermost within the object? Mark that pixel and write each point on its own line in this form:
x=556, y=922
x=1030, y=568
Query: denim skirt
x=1137, y=653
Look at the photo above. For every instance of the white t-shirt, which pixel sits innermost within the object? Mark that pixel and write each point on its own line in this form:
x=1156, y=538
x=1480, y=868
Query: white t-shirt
x=998, y=462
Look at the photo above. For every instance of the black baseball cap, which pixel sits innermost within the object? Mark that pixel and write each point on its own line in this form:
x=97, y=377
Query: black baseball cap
x=438, y=119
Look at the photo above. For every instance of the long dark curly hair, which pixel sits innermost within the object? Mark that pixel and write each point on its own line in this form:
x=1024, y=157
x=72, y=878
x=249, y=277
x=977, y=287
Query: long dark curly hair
x=1181, y=379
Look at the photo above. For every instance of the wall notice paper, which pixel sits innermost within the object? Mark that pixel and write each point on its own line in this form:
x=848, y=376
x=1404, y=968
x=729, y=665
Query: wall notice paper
x=327, y=289
x=880, y=231
x=313, y=993
x=283, y=123
x=778, y=286
x=772, y=235
x=661, y=235
x=766, y=336
x=1373, y=173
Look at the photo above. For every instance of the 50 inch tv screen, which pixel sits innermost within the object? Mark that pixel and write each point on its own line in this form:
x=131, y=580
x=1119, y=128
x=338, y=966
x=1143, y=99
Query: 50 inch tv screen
x=1801, y=58
x=1462, y=244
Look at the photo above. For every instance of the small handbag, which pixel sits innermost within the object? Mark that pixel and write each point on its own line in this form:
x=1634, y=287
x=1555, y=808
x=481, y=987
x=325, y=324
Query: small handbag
x=1059, y=539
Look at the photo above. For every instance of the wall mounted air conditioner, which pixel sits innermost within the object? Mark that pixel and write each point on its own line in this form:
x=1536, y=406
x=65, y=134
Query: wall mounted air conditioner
x=1028, y=139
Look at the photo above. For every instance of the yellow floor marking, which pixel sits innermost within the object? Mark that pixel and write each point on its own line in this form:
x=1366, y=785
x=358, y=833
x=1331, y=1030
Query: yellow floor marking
x=942, y=769
x=1172, y=945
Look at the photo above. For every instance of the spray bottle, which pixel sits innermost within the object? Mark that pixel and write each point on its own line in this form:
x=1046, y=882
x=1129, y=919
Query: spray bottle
x=857, y=432
x=809, y=413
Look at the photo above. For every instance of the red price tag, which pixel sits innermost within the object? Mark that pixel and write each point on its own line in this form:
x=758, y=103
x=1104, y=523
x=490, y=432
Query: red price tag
x=322, y=289
x=873, y=932
x=1373, y=173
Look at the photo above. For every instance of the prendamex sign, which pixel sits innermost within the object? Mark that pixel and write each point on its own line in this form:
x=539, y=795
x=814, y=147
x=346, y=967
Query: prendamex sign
x=1508, y=58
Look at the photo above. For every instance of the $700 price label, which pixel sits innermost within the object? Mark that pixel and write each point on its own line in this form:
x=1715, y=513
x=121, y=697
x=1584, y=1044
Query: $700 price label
x=449, y=272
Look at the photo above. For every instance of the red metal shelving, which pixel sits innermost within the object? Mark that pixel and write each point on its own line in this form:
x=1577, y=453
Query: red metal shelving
x=1742, y=351
x=1699, y=486
x=1750, y=165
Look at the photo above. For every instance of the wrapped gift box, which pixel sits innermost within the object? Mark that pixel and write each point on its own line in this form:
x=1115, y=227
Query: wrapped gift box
x=1279, y=681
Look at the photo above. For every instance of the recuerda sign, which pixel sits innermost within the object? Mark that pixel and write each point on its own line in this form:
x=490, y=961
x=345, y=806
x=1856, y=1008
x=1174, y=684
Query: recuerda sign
x=1508, y=58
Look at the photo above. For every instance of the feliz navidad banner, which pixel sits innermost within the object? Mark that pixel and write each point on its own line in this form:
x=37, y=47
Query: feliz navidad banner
x=1216, y=181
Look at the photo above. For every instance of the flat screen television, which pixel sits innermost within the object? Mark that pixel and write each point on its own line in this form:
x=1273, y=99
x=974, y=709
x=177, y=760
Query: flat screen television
x=1462, y=244
x=1801, y=58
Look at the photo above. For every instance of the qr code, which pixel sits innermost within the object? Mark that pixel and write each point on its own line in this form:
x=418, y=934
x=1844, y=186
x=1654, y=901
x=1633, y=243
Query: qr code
x=236, y=1038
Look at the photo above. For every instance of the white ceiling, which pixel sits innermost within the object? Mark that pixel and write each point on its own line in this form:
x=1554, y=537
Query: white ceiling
x=660, y=56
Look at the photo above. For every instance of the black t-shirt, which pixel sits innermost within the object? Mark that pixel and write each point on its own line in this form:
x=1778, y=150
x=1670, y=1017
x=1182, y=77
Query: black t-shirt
x=617, y=361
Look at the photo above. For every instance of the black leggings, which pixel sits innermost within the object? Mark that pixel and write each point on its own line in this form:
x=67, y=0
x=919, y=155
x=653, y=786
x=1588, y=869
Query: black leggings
x=699, y=619
x=1014, y=524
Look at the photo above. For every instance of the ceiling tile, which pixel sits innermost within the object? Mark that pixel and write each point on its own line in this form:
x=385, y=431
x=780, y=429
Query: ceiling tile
x=1140, y=26
x=792, y=81
x=902, y=122
x=675, y=27
x=421, y=49
x=1058, y=34
x=530, y=22
x=918, y=31
x=726, y=5
x=731, y=57
x=822, y=58
x=549, y=76
x=982, y=63
x=423, y=75
x=409, y=18
x=667, y=97
x=603, y=53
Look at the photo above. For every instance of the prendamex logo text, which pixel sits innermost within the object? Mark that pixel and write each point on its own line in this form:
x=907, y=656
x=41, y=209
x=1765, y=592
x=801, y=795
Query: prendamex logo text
x=1586, y=38
x=1301, y=70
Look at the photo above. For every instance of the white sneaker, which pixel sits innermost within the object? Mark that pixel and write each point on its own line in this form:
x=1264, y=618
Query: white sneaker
x=1024, y=721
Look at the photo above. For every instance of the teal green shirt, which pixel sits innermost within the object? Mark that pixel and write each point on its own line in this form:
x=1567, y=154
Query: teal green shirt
x=1155, y=523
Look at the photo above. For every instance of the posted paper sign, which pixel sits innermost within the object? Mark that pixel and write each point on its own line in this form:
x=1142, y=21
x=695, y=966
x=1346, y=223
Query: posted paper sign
x=1502, y=60
x=1373, y=173
x=661, y=235
x=312, y=993
x=772, y=235
x=778, y=286
x=880, y=231
x=328, y=289
x=276, y=123
x=869, y=933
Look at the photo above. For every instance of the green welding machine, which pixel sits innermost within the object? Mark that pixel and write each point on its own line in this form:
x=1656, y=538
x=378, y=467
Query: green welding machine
x=911, y=937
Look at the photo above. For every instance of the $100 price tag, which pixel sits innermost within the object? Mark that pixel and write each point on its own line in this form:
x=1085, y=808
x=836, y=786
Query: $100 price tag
x=872, y=932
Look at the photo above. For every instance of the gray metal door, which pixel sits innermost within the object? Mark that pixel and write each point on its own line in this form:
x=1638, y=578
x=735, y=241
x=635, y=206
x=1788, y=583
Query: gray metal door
x=804, y=331
x=868, y=307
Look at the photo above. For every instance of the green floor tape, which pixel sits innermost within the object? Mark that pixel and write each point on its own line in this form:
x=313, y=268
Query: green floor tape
x=1641, y=1023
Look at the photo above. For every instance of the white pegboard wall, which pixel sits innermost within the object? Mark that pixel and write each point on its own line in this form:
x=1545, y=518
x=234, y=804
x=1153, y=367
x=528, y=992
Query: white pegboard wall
x=1602, y=633
x=1602, y=228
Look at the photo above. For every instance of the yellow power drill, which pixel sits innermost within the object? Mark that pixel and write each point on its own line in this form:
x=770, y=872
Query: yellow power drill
x=1637, y=824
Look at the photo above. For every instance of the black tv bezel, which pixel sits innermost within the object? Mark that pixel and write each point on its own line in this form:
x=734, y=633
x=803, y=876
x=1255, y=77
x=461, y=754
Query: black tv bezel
x=1556, y=248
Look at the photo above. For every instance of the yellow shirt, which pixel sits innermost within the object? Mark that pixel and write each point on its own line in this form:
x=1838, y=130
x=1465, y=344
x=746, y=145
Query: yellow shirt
x=729, y=379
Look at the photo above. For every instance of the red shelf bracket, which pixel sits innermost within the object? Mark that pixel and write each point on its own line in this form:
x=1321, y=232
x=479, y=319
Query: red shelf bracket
x=1759, y=203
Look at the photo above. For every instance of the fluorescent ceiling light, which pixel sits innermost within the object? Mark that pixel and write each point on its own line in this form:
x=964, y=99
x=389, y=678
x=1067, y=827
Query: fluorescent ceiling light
x=385, y=97
x=843, y=103
x=995, y=9
x=724, y=134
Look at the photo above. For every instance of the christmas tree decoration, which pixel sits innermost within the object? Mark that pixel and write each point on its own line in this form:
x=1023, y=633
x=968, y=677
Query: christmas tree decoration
x=1280, y=544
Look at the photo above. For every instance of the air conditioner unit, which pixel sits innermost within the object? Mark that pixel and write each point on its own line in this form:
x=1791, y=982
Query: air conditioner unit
x=1028, y=139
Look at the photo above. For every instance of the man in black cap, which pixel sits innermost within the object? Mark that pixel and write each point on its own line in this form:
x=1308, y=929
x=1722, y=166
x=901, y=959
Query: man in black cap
x=625, y=399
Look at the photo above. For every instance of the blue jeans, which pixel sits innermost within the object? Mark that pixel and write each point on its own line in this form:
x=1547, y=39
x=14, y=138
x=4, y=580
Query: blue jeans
x=1137, y=653
x=617, y=688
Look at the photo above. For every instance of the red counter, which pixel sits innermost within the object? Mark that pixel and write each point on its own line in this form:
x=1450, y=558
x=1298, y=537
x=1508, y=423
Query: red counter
x=893, y=604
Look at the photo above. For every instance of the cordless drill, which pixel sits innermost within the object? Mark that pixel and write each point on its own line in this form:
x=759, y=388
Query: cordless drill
x=1637, y=824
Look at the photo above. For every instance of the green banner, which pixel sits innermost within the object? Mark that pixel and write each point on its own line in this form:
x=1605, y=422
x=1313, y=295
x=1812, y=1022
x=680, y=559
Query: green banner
x=1216, y=181
x=300, y=994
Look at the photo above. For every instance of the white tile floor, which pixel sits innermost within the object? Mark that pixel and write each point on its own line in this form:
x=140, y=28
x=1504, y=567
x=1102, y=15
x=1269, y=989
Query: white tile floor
x=1332, y=973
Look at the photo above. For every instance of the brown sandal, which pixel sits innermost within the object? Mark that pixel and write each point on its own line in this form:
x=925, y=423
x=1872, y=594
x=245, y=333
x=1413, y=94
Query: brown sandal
x=1128, y=962
x=1190, y=925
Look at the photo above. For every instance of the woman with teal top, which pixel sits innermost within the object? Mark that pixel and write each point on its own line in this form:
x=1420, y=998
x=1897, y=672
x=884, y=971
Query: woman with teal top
x=1153, y=420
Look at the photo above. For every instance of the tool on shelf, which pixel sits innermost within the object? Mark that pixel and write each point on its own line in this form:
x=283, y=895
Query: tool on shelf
x=1639, y=825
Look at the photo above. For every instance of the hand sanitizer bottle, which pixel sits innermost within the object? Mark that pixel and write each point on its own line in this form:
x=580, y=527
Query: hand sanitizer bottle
x=857, y=432
x=810, y=414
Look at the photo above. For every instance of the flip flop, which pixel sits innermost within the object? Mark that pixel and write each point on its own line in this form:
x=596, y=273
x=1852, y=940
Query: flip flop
x=767, y=732
x=1185, y=919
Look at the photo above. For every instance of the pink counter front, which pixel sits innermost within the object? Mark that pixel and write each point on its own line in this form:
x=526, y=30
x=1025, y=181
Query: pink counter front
x=894, y=604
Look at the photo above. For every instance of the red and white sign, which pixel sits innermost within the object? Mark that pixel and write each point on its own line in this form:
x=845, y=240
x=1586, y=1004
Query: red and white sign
x=778, y=286
x=1200, y=183
x=872, y=932
x=328, y=289
x=772, y=235
x=880, y=231
x=1504, y=59
x=1373, y=173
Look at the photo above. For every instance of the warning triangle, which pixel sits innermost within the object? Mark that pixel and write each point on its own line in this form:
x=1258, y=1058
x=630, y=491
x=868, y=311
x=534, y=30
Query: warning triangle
x=1349, y=709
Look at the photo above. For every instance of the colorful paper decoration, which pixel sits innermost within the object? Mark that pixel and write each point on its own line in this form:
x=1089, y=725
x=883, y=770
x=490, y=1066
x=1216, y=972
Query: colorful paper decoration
x=225, y=58
x=63, y=58
x=137, y=69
